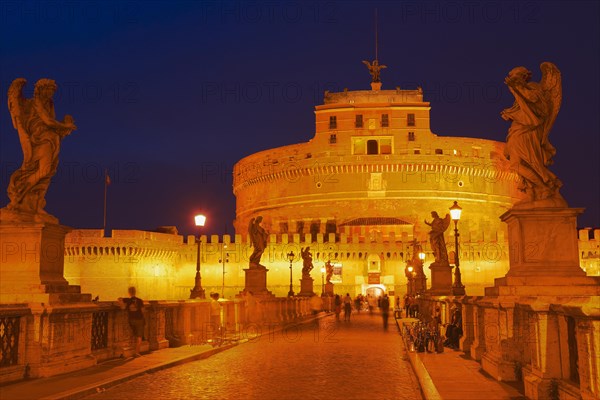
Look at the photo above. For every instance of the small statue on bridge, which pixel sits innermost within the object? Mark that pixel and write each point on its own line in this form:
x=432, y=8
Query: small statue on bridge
x=307, y=264
x=436, y=237
x=40, y=135
x=328, y=271
x=258, y=238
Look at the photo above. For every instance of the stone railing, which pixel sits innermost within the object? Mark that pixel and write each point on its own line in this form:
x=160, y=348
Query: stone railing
x=552, y=349
x=46, y=341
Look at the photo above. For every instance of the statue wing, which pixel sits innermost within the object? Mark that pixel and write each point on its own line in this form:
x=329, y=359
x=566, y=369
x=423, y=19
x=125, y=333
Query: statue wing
x=19, y=108
x=368, y=64
x=551, y=84
x=16, y=100
x=446, y=222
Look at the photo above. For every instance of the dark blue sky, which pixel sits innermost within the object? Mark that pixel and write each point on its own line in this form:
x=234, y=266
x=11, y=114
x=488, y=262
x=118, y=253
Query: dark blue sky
x=169, y=95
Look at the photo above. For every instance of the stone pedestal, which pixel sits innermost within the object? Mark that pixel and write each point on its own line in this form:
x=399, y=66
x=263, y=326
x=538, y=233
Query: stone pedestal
x=544, y=279
x=256, y=281
x=32, y=264
x=306, y=286
x=420, y=282
x=441, y=279
x=329, y=289
x=543, y=242
x=543, y=254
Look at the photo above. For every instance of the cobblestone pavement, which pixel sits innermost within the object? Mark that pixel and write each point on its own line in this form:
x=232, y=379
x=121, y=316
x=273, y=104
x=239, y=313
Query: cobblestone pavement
x=321, y=360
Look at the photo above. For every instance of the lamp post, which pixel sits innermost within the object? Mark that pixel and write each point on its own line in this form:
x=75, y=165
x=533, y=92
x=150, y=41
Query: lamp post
x=458, y=289
x=197, y=292
x=290, y=256
x=224, y=259
x=420, y=274
x=409, y=277
x=322, y=281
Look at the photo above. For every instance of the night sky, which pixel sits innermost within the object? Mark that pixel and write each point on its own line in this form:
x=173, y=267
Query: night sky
x=170, y=95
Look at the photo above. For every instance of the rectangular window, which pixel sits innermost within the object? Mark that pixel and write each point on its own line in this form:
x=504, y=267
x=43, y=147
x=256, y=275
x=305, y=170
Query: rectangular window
x=417, y=151
x=385, y=121
x=283, y=227
x=358, y=123
x=332, y=138
x=360, y=146
x=385, y=146
x=439, y=151
x=411, y=136
x=410, y=120
x=333, y=122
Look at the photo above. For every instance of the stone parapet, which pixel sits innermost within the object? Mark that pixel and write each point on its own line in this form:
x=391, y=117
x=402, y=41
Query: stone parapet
x=50, y=340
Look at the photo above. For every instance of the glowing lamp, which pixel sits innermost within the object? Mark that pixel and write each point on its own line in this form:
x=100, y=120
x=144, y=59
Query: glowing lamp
x=455, y=211
x=200, y=220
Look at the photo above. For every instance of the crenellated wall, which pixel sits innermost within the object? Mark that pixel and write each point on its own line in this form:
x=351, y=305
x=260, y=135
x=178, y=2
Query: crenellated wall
x=162, y=266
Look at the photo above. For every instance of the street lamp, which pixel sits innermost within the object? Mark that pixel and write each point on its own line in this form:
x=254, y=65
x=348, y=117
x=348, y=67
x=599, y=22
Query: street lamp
x=224, y=259
x=410, y=279
x=420, y=279
x=197, y=292
x=458, y=288
x=322, y=281
x=290, y=256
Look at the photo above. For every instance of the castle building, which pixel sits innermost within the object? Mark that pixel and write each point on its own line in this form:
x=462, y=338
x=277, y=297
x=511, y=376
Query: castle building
x=357, y=194
x=375, y=170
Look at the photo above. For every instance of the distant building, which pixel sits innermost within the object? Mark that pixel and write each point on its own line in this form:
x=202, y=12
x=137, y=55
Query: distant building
x=357, y=194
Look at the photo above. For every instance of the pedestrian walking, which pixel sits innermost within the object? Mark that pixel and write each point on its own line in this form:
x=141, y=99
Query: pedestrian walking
x=385, y=310
x=347, y=307
x=316, y=304
x=134, y=306
x=372, y=303
x=337, y=302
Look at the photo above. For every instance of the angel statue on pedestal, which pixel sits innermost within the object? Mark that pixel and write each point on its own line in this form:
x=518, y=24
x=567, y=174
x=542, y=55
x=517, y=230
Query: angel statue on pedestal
x=258, y=238
x=527, y=146
x=307, y=264
x=436, y=237
x=40, y=135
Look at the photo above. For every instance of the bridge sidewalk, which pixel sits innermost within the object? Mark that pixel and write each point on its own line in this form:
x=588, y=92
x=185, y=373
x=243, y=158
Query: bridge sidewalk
x=99, y=377
x=452, y=376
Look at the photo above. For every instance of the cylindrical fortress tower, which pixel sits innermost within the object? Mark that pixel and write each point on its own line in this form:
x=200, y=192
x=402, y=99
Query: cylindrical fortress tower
x=374, y=167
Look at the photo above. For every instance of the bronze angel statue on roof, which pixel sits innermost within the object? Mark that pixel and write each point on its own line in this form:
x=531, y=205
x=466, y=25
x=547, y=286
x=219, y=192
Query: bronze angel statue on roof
x=40, y=135
x=375, y=70
x=527, y=146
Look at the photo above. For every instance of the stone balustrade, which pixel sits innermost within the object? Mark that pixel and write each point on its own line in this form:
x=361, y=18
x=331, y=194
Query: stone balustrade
x=46, y=341
x=547, y=347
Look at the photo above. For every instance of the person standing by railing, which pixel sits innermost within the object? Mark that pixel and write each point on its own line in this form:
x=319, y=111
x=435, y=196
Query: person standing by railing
x=134, y=306
x=215, y=314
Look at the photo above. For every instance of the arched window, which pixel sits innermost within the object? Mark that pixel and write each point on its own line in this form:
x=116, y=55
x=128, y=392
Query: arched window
x=372, y=147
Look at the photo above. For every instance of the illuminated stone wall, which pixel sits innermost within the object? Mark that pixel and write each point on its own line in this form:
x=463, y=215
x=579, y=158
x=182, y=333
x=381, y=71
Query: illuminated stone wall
x=162, y=266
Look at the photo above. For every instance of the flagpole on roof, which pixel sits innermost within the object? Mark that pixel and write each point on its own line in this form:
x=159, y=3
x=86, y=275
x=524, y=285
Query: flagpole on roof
x=106, y=183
